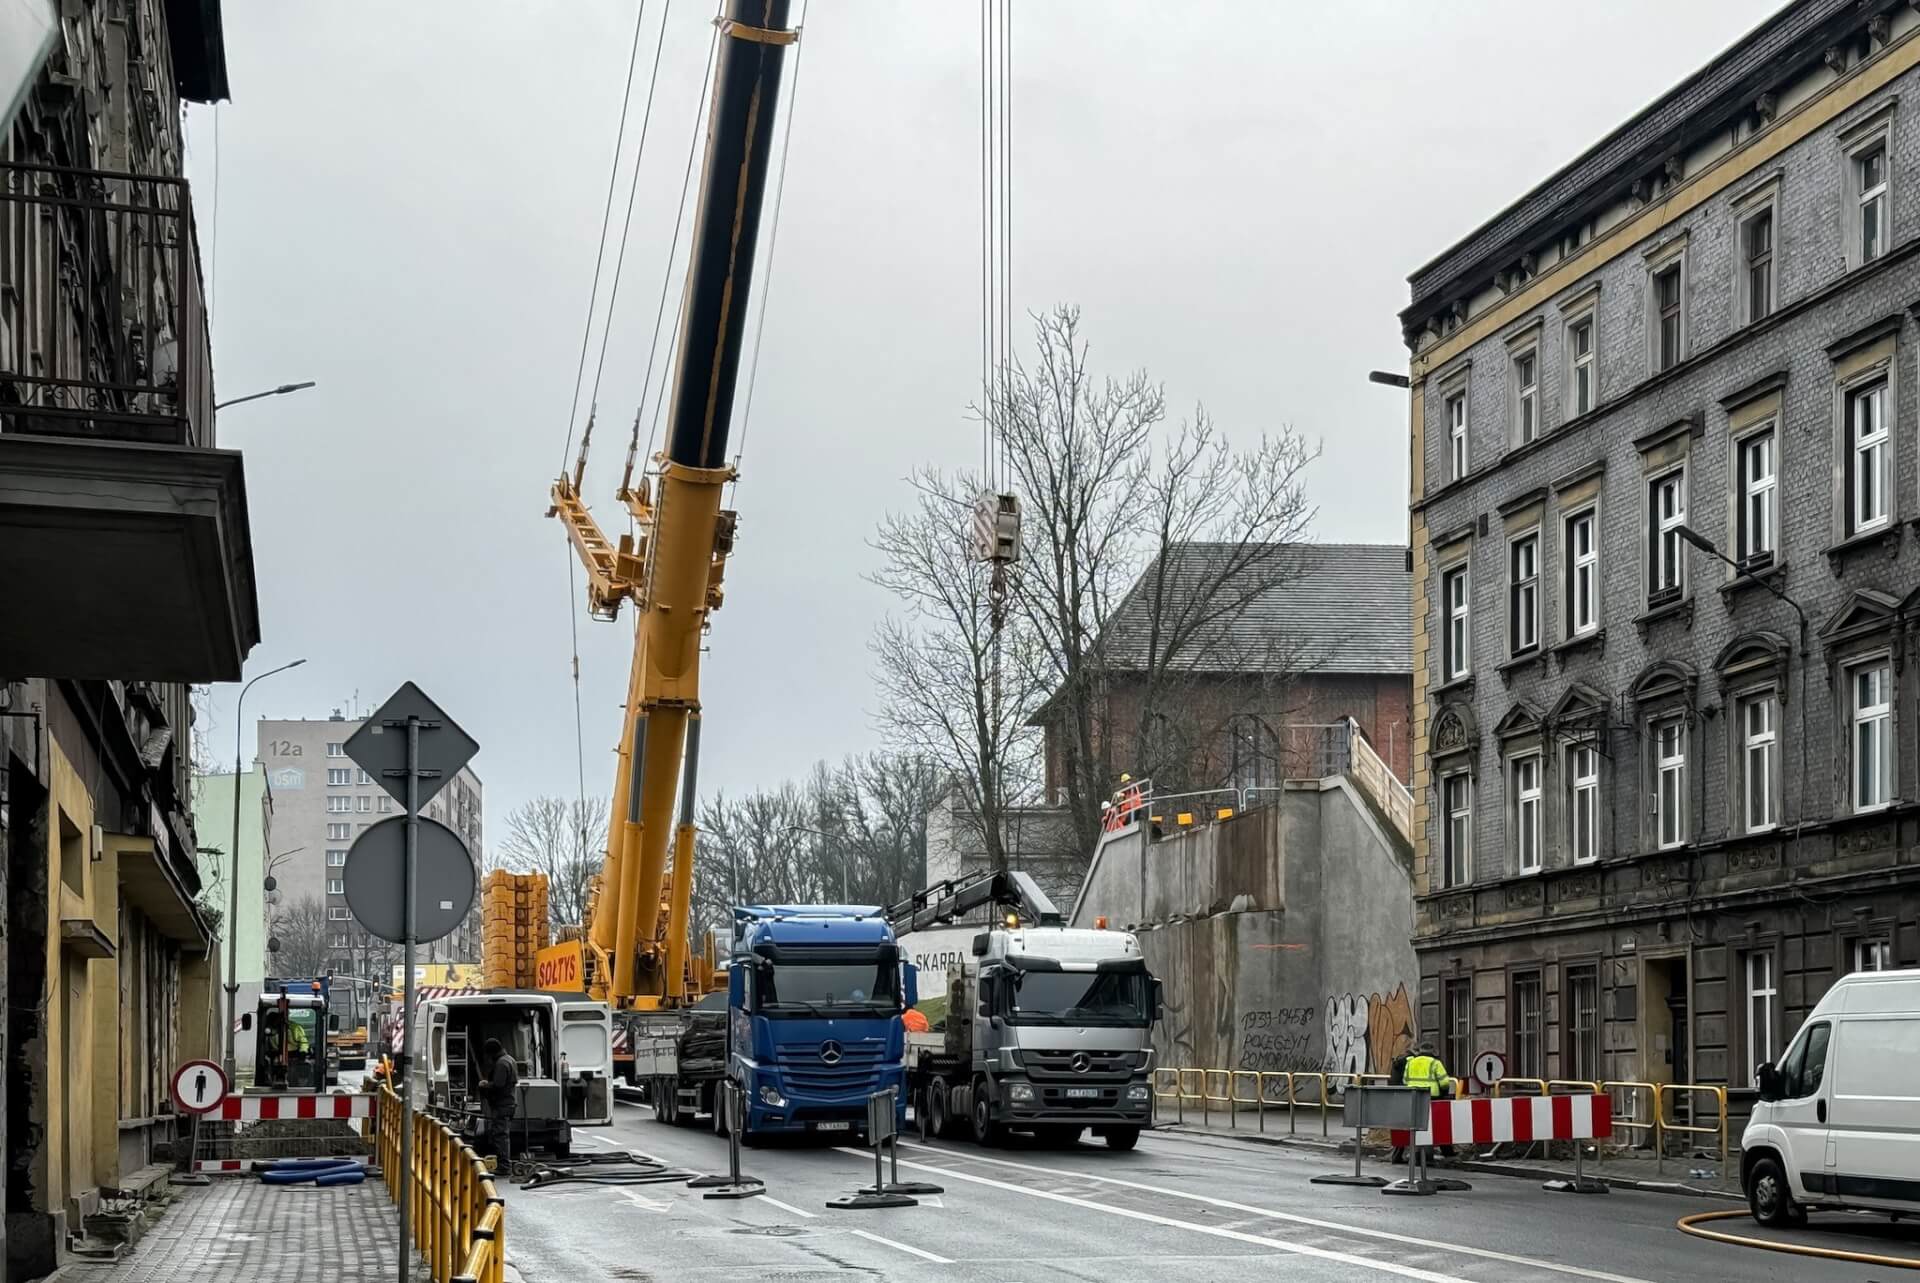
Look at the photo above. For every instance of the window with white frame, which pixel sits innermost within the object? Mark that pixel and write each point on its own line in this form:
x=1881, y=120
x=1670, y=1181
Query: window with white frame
x=364, y=778
x=336, y=776
x=1868, y=458
x=1523, y=594
x=339, y=804
x=1524, y=772
x=1526, y=395
x=1583, y=369
x=340, y=913
x=1870, y=202
x=1670, y=781
x=336, y=858
x=1871, y=687
x=339, y=832
x=1756, y=265
x=336, y=886
x=1759, y=751
x=1583, y=802
x=1666, y=552
x=1583, y=574
x=1457, y=436
x=1457, y=642
x=1456, y=801
x=1757, y=529
x=386, y=805
x=1762, y=996
x=336, y=750
x=363, y=803
x=1669, y=315
x=1875, y=954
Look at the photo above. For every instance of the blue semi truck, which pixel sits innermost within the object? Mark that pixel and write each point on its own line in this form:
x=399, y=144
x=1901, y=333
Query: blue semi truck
x=810, y=1027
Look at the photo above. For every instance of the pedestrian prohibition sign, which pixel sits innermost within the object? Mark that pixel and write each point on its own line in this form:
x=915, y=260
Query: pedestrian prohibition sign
x=198, y=1085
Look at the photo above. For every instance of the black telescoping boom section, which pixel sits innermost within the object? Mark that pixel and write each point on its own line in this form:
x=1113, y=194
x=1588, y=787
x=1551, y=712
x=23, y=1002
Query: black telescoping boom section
x=954, y=898
x=727, y=230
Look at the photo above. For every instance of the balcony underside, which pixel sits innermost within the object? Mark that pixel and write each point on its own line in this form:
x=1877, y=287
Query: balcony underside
x=121, y=560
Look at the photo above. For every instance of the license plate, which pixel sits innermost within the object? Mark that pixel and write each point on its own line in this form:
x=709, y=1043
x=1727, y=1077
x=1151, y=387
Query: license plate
x=833, y=1127
x=1083, y=1093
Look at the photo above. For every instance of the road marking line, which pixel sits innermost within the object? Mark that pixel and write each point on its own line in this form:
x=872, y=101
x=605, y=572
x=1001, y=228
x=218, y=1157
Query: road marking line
x=904, y=1247
x=642, y=1202
x=1170, y=1222
x=1411, y=1241
x=788, y=1207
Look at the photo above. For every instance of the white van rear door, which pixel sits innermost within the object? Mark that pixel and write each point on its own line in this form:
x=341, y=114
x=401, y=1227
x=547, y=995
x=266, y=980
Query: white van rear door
x=586, y=1046
x=1874, y=1126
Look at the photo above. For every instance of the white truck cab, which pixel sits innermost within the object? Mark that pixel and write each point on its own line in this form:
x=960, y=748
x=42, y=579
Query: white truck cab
x=1838, y=1122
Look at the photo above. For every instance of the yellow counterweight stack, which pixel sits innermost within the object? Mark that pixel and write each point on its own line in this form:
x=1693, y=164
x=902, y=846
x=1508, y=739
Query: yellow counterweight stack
x=513, y=910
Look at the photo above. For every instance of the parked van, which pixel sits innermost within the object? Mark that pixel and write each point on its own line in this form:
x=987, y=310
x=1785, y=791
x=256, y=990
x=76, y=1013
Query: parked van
x=1838, y=1123
x=563, y=1049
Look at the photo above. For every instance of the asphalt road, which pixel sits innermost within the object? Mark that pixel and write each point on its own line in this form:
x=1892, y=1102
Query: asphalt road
x=1179, y=1209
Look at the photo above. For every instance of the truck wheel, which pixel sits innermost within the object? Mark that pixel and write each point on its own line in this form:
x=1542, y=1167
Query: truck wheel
x=938, y=1125
x=985, y=1131
x=663, y=1104
x=1122, y=1138
x=1769, y=1197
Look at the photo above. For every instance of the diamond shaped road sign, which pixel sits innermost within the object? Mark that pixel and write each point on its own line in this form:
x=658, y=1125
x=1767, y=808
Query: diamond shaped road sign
x=380, y=746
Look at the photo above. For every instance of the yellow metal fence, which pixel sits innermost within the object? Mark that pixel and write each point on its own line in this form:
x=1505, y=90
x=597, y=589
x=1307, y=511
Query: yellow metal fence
x=458, y=1219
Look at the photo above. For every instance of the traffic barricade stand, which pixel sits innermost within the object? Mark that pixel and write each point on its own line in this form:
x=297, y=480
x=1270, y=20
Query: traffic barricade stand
x=1368, y=1107
x=1495, y=1120
x=881, y=1128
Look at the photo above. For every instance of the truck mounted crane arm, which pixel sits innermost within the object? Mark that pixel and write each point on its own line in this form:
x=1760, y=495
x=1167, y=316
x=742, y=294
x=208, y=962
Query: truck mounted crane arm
x=947, y=901
x=638, y=935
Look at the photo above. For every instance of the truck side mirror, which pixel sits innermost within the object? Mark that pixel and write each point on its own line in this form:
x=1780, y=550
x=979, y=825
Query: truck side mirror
x=910, y=984
x=246, y=1020
x=736, y=987
x=1157, y=995
x=986, y=996
x=980, y=945
x=1768, y=1080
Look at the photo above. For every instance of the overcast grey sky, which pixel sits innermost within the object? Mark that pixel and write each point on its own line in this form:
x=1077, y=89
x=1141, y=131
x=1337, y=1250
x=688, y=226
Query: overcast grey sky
x=409, y=198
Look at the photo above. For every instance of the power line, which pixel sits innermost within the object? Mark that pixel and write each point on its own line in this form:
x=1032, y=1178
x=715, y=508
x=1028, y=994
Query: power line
x=606, y=217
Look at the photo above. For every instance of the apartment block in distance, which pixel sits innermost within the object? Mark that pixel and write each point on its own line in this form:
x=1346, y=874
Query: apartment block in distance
x=321, y=803
x=1666, y=493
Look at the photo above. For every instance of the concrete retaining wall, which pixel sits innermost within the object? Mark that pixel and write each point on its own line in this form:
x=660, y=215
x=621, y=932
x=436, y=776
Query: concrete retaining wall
x=1282, y=936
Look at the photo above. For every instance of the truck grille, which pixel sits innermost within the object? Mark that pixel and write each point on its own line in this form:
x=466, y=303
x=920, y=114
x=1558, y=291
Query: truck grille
x=803, y=1069
x=1043, y=1065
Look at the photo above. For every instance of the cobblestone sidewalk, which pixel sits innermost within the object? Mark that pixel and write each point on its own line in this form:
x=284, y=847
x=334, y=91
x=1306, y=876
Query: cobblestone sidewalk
x=238, y=1230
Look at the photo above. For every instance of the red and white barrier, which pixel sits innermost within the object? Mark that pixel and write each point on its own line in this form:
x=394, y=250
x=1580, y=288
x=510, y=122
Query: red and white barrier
x=1519, y=1120
x=255, y=1109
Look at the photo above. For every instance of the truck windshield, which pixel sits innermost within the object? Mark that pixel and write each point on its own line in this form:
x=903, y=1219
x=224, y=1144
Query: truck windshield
x=812, y=989
x=1080, y=998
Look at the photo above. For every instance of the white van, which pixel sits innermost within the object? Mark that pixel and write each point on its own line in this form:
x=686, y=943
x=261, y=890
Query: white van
x=563, y=1049
x=1838, y=1123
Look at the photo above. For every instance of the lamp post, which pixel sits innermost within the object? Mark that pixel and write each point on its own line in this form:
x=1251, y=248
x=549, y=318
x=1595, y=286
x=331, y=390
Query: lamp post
x=1707, y=546
x=233, y=874
x=845, y=894
x=282, y=390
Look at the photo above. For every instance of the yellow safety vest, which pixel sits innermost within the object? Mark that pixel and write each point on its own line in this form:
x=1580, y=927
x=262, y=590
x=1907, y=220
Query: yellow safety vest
x=1427, y=1072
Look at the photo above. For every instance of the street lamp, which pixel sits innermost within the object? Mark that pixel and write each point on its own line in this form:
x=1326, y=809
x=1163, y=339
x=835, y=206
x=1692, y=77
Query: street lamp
x=233, y=874
x=845, y=894
x=282, y=390
x=1707, y=546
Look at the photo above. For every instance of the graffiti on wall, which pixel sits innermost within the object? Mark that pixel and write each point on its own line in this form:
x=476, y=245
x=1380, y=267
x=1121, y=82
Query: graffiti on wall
x=1365, y=1034
x=1278, y=1041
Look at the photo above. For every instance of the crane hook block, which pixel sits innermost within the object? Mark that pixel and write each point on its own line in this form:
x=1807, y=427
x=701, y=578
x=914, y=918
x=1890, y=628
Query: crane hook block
x=996, y=528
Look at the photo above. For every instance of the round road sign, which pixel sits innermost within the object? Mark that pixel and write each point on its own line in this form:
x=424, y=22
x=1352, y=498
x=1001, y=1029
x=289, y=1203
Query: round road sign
x=199, y=1085
x=1489, y=1067
x=375, y=875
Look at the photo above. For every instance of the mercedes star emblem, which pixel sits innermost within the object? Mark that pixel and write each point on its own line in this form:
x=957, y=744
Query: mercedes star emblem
x=1081, y=1062
x=830, y=1052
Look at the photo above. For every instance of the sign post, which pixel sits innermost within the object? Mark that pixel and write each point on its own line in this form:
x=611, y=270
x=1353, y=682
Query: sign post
x=413, y=749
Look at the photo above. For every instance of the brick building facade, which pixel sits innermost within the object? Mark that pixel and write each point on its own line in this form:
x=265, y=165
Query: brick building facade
x=1656, y=813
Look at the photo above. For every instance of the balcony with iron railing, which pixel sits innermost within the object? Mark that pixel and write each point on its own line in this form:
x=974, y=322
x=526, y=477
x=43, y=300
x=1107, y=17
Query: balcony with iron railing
x=103, y=332
x=125, y=550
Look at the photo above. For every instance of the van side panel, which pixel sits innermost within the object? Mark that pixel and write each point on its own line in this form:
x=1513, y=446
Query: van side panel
x=1874, y=1126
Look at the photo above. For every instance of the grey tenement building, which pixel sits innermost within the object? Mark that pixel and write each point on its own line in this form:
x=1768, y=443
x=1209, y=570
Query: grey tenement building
x=1657, y=815
x=321, y=803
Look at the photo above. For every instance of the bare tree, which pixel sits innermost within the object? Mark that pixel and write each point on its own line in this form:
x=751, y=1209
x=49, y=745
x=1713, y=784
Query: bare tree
x=564, y=839
x=1109, y=493
x=957, y=683
x=305, y=942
